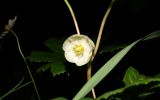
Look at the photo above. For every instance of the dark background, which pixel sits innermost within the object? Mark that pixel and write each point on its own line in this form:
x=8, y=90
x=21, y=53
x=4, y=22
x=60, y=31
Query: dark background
x=39, y=20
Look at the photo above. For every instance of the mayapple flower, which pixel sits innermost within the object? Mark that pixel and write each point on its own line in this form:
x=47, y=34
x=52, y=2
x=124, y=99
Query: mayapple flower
x=78, y=49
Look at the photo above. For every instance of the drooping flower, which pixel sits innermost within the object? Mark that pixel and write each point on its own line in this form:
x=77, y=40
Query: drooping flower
x=78, y=49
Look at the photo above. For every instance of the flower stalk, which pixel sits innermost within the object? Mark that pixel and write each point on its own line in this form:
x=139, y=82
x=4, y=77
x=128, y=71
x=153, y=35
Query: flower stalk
x=73, y=16
x=89, y=68
x=8, y=28
x=31, y=76
x=102, y=27
x=71, y=47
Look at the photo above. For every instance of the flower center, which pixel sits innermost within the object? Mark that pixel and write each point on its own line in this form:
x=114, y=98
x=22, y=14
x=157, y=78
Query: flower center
x=78, y=50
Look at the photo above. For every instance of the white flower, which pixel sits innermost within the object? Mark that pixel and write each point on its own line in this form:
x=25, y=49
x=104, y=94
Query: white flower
x=78, y=49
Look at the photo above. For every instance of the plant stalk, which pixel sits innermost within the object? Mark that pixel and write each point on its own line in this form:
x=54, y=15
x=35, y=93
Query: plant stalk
x=29, y=71
x=89, y=69
x=102, y=27
x=73, y=16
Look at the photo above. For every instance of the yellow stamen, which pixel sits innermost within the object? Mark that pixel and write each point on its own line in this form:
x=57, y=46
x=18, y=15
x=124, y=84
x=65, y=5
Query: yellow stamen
x=78, y=50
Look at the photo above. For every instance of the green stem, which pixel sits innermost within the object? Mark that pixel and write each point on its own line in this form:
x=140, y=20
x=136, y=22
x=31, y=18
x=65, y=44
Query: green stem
x=29, y=71
x=73, y=16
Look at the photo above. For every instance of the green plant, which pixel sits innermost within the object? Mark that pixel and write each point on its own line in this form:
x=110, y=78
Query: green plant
x=101, y=73
x=137, y=85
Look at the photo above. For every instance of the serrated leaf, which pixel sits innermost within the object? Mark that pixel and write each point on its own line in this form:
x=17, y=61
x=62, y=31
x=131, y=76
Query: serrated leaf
x=55, y=67
x=58, y=68
x=132, y=76
x=138, y=79
x=55, y=44
x=131, y=91
x=42, y=56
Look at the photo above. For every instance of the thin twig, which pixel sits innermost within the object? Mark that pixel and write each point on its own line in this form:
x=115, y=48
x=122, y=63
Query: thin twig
x=73, y=16
x=19, y=48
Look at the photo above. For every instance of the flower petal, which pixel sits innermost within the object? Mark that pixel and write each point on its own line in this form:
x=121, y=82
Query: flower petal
x=74, y=54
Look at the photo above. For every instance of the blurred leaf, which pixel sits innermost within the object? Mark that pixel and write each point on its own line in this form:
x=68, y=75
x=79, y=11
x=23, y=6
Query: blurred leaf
x=42, y=56
x=112, y=47
x=87, y=99
x=106, y=95
x=55, y=67
x=153, y=35
x=55, y=44
x=145, y=94
x=137, y=83
x=132, y=76
x=106, y=68
x=138, y=6
x=117, y=46
x=59, y=98
x=16, y=87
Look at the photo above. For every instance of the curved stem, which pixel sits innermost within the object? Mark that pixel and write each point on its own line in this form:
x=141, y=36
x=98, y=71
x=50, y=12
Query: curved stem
x=89, y=69
x=102, y=27
x=73, y=16
x=19, y=48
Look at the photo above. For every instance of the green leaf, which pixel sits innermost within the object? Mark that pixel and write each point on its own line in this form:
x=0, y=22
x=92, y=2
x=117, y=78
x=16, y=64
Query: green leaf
x=59, y=98
x=87, y=99
x=58, y=68
x=110, y=93
x=118, y=46
x=55, y=61
x=131, y=76
x=106, y=68
x=15, y=88
x=135, y=81
x=134, y=91
x=153, y=35
x=103, y=71
x=55, y=67
x=55, y=44
x=42, y=56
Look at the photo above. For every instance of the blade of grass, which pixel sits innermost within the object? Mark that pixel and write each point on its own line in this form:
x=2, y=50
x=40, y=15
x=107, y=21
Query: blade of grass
x=12, y=90
x=102, y=72
x=106, y=68
x=15, y=88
